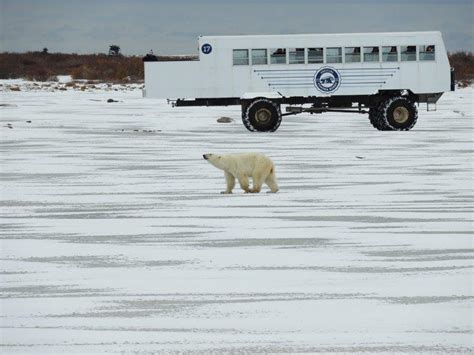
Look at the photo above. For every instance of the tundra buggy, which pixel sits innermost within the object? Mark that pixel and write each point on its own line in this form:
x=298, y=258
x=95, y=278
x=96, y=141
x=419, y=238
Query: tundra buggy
x=382, y=74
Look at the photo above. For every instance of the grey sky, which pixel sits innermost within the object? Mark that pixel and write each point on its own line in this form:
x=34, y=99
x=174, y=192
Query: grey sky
x=172, y=26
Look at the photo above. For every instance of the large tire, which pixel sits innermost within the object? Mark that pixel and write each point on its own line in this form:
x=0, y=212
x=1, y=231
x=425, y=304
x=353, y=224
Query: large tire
x=374, y=118
x=262, y=115
x=398, y=113
x=244, y=113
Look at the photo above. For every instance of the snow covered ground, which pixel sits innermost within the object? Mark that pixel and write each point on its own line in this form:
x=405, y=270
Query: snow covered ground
x=114, y=237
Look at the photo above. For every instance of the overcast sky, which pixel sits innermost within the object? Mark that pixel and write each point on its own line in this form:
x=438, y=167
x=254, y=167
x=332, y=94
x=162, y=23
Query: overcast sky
x=172, y=26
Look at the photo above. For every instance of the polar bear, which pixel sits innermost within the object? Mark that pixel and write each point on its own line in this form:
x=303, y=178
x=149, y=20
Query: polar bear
x=243, y=166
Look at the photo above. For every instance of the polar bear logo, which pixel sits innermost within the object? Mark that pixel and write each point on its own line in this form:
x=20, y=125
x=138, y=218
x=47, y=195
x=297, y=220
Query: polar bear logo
x=243, y=166
x=327, y=79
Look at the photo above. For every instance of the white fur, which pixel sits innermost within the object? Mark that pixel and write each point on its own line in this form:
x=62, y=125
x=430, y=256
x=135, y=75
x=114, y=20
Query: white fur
x=242, y=166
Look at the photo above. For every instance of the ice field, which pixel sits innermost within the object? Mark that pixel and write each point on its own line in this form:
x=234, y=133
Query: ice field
x=115, y=238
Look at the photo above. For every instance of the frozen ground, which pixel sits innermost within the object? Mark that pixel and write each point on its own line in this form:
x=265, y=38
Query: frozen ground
x=114, y=236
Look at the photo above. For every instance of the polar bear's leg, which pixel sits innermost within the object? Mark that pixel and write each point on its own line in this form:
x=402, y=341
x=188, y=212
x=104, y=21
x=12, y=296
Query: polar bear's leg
x=271, y=181
x=230, y=182
x=257, y=178
x=244, y=182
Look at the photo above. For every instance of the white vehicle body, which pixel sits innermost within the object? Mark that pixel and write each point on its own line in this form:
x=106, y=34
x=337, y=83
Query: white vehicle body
x=215, y=74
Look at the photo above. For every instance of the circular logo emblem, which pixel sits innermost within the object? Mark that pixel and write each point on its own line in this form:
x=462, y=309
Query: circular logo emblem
x=327, y=79
x=206, y=48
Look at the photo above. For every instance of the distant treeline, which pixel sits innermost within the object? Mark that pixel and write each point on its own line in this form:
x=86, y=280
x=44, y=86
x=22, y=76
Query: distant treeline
x=463, y=64
x=42, y=66
x=46, y=66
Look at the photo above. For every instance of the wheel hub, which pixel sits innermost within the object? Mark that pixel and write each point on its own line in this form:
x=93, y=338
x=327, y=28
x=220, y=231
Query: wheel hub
x=401, y=114
x=263, y=115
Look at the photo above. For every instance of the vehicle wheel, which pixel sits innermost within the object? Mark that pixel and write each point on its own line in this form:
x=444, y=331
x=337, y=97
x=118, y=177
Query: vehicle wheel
x=398, y=113
x=244, y=113
x=262, y=115
x=374, y=118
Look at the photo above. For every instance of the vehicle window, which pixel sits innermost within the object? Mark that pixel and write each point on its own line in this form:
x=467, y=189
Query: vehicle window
x=241, y=56
x=408, y=53
x=427, y=52
x=278, y=56
x=315, y=55
x=296, y=55
x=259, y=56
x=352, y=54
x=334, y=55
x=371, y=54
x=389, y=54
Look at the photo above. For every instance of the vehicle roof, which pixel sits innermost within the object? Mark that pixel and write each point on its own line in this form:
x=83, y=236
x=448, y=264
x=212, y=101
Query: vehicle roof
x=324, y=40
x=332, y=35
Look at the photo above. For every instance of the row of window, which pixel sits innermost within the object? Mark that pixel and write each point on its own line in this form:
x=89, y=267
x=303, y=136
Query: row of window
x=333, y=55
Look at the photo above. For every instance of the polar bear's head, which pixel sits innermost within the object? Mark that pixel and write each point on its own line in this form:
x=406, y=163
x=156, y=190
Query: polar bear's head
x=215, y=160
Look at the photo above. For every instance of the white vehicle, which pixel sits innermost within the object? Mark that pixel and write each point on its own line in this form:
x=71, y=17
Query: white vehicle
x=383, y=74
